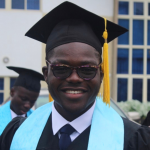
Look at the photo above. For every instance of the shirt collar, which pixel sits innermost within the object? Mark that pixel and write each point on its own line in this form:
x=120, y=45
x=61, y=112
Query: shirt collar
x=13, y=114
x=79, y=124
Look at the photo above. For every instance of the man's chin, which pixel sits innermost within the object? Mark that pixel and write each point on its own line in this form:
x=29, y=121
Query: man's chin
x=74, y=110
x=22, y=112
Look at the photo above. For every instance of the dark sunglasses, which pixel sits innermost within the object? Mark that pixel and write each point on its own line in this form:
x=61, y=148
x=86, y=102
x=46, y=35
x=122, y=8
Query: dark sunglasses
x=62, y=71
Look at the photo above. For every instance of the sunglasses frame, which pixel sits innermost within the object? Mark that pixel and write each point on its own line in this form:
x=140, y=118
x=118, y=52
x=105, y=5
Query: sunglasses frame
x=74, y=68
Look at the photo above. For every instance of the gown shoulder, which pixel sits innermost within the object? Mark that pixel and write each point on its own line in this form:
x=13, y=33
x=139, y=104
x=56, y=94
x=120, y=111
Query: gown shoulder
x=146, y=122
x=7, y=135
x=140, y=139
x=136, y=136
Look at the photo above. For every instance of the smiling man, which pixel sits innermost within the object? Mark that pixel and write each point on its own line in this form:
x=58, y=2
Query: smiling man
x=77, y=119
x=23, y=94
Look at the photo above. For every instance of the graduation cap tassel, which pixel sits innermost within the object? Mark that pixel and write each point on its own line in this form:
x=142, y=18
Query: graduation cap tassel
x=105, y=68
x=50, y=98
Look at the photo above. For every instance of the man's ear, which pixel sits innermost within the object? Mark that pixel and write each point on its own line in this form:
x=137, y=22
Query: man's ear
x=12, y=91
x=45, y=72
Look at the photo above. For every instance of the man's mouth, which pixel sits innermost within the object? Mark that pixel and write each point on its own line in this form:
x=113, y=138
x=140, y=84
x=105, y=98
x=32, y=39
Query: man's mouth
x=74, y=91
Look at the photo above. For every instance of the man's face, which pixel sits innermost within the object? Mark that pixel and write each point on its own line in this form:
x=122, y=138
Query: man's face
x=73, y=94
x=22, y=100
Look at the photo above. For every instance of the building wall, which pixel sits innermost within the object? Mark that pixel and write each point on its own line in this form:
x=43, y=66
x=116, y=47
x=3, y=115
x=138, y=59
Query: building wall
x=99, y=7
x=21, y=51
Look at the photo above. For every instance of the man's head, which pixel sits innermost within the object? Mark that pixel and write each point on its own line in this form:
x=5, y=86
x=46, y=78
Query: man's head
x=74, y=94
x=22, y=99
x=25, y=90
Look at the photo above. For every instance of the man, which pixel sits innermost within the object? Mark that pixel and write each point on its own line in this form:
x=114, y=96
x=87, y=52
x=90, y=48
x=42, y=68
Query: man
x=23, y=94
x=78, y=119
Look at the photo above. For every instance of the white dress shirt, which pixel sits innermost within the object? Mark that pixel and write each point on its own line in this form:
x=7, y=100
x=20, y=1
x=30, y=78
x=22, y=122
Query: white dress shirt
x=79, y=124
x=13, y=114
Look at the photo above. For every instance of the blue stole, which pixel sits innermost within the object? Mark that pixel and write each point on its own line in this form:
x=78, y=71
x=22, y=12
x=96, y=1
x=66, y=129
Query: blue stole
x=107, y=129
x=5, y=116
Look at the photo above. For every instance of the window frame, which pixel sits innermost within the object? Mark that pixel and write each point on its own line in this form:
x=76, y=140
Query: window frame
x=145, y=17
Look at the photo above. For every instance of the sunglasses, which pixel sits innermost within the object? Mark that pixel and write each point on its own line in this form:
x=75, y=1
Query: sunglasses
x=62, y=71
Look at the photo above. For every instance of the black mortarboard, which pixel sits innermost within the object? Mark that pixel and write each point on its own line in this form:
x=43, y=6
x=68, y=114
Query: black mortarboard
x=28, y=78
x=70, y=23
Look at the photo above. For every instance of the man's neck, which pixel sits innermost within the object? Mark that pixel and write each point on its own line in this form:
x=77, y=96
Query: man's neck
x=69, y=116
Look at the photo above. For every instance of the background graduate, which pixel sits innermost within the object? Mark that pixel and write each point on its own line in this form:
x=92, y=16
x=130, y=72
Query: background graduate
x=23, y=94
x=78, y=119
x=146, y=122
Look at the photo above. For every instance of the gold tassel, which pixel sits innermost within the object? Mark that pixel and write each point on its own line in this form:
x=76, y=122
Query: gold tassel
x=105, y=68
x=50, y=98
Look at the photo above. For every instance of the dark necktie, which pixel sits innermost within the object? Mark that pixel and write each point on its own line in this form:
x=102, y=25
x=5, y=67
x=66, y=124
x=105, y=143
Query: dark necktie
x=65, y=139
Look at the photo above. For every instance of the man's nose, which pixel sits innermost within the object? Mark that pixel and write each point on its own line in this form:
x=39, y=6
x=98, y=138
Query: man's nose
x=74, y=77
x=27, y=105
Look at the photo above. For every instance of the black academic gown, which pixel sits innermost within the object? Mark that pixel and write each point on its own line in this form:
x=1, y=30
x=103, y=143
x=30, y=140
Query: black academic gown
x=135, y=137
x=146, y=122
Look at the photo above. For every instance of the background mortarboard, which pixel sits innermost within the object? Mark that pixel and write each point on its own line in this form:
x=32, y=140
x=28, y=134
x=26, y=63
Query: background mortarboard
x=27, y=78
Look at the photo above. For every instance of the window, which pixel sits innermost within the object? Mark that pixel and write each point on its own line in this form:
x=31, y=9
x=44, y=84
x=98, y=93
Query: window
x=1, y=90
x=138, y=8
x=124, y=39
x=12, y=81
x=2, y=3
x=148, y=32
x=17, y=4
x=123, y=8
x=1, y=84
x=1, y=98
x=26, y=4
x=137, y=61
x=122, y=62
x=148, y=61
x=149, y=9
x=122, y=89
x=148, y=89
x=138, y=32
x=137, y=89
x=33, y=4
x=133, y=51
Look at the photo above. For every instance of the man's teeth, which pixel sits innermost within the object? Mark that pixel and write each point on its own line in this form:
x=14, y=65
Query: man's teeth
x=73, y=92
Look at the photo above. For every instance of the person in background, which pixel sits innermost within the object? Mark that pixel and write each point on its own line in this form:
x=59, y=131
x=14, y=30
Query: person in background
x=146, y=122
x=78, y=119
x=24, y=93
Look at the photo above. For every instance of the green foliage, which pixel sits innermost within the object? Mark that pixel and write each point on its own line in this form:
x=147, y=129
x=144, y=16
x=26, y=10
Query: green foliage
x=135, y=105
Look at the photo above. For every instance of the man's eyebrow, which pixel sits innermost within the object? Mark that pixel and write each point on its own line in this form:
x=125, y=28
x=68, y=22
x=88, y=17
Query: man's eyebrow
x=60, y=61
x=67, y=62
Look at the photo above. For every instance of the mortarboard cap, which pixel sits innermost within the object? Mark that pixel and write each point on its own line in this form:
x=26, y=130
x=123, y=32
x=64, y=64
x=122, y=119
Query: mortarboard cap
x=70, y=23
x=54, y=26
x=27, y=78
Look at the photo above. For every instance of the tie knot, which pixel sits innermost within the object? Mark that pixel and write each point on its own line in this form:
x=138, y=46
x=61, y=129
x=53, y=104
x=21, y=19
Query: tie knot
x=67, y=129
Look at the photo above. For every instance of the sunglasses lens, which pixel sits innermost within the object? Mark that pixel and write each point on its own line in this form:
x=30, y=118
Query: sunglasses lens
x=87, y=73
x=61, y=72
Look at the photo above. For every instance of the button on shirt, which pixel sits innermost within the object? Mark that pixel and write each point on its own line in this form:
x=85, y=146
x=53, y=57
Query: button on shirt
x=13, y=115
x=79, y=124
